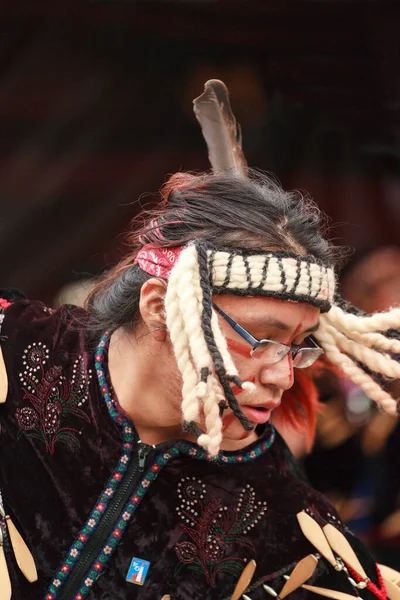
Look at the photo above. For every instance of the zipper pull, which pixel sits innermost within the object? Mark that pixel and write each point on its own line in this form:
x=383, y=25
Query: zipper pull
x=142, y=459
x=143, y=452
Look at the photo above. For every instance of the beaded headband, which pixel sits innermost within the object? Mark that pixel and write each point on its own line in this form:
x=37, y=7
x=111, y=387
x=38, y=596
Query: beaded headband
x=282, y=275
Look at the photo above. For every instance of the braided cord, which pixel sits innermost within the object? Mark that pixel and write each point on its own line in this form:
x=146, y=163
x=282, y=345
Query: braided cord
x=211, y=343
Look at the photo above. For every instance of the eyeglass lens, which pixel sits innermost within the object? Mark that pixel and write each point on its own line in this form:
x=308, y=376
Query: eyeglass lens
x=273, y=353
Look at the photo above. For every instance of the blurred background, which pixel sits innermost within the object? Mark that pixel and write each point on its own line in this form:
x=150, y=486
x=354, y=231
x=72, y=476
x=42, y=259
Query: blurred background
x=96, y=110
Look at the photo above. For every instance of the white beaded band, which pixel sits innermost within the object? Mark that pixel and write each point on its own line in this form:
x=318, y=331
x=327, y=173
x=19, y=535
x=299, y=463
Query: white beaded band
x=274, y=274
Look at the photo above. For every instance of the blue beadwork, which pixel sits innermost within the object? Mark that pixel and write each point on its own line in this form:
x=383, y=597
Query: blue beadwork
x=128, y=438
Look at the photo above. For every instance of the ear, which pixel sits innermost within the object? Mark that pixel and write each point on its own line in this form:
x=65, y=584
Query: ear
x=152, y=309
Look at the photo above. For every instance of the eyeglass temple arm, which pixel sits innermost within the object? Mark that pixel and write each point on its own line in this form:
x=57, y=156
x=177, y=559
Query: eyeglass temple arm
x=245, y=334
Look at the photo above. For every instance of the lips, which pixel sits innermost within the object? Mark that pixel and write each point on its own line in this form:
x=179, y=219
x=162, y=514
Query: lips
x=259, y=415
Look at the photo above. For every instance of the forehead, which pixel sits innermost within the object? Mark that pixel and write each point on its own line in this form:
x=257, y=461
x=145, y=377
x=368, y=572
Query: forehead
x=255, y=309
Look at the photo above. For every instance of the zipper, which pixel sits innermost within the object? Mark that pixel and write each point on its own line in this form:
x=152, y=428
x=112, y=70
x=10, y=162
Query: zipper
x=108, y=521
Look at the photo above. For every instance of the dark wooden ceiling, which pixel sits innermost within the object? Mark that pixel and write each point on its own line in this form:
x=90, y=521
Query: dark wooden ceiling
x=95, y=110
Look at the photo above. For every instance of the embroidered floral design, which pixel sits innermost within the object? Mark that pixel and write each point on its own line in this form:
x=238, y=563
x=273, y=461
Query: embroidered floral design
x=213, y=528
x=52, y=397
x=186, y=552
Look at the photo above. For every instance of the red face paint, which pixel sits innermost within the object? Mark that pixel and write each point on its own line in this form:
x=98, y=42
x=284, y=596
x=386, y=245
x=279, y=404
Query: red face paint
x=228, y=420
x=239, y=348
x=296, y=331
x=291, y=373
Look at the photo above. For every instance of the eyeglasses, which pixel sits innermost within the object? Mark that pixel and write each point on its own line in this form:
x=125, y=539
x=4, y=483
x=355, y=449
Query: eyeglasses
x=272, y=351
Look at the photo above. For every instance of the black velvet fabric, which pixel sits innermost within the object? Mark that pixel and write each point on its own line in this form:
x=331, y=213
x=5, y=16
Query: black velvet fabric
x=54, y=467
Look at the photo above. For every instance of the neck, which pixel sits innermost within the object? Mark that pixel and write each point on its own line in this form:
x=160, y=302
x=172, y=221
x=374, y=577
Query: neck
x=137, y=381
x=139, y=370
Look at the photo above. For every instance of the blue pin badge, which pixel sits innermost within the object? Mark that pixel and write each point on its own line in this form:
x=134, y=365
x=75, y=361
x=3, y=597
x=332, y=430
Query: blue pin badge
x=138, y=571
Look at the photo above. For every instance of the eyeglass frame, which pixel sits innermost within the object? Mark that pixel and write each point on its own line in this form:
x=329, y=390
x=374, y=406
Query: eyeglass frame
x=254, y=342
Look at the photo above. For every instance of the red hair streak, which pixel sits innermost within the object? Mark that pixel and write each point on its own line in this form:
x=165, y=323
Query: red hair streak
x=300, y=404
x=299, y=408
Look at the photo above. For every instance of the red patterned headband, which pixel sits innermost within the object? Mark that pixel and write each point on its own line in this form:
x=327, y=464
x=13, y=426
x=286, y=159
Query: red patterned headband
x=282, y=275
x=158, y=262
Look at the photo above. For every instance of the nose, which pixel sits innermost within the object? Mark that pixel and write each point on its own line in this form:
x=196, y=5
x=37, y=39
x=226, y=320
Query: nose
x=279, y=374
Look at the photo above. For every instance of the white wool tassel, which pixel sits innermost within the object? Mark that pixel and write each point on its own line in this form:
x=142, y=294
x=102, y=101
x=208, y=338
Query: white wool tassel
x=180, y=344
x=347, y=322
x=351, y=370
x=377, y=340
x=197, y=392
x=374, y=360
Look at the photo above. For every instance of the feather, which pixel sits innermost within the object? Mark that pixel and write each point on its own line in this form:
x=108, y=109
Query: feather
x=341, y=546
x=220, y=130
x=5, y=582
x=3, y=380
x=313, y=532
x=390, y=573
x=328, y=593
x=244, y=580
x=22, y=553
x=300, y=574
x=392, y=590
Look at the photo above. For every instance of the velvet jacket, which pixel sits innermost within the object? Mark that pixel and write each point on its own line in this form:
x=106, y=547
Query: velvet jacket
x=65, y=451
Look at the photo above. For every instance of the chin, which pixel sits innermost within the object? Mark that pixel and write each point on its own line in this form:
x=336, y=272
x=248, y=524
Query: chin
x=236, y=433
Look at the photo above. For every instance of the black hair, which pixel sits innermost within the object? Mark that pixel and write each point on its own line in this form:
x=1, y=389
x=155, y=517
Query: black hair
x=221, y=210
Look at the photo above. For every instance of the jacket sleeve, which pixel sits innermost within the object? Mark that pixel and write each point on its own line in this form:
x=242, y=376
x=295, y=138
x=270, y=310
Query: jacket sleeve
x=44, y=423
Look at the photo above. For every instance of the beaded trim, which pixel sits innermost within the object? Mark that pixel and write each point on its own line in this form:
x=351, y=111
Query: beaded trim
x=199, y=453
x=281, y=275
x=108, y=549
x=129, y=437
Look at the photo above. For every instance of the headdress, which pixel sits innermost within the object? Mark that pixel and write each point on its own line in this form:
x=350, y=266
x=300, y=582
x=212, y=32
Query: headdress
x=361, y=345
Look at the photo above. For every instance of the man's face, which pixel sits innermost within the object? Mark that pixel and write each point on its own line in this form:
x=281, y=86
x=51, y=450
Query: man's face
x=264, y=318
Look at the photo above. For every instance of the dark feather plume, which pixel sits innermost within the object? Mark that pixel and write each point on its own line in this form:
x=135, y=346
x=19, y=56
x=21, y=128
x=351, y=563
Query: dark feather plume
x=220, y=130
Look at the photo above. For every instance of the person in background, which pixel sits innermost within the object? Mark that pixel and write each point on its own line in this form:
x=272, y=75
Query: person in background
x=372, y=281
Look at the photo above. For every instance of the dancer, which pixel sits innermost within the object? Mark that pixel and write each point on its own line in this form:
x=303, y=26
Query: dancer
x=137, y=456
